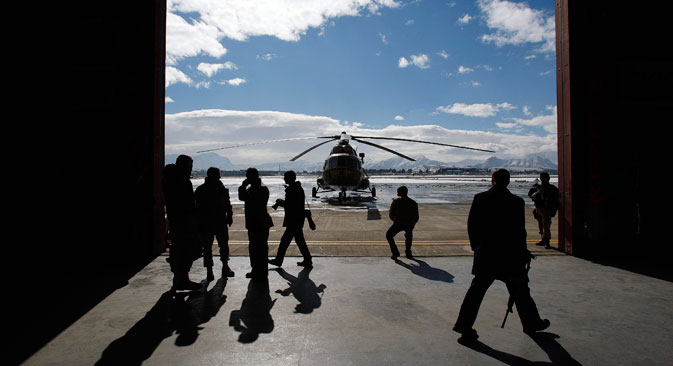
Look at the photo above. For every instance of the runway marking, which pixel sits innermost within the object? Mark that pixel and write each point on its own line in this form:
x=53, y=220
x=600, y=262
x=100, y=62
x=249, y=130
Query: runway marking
x=384, y=243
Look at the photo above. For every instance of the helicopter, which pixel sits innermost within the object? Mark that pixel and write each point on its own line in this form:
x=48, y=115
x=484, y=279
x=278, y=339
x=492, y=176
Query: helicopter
x=343, y=169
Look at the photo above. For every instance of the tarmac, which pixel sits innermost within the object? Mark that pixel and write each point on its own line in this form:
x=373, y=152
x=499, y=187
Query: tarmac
x=360, y=230
x=356, y=306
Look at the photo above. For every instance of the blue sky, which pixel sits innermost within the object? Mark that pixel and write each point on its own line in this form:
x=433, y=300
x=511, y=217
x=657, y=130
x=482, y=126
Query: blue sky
x=475, y=73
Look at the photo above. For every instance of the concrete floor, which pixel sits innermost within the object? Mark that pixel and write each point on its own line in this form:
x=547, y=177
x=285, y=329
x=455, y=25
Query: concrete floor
x=371, y=311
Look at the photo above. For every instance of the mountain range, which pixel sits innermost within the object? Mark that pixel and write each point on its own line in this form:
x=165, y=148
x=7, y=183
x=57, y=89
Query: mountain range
x=532, y=162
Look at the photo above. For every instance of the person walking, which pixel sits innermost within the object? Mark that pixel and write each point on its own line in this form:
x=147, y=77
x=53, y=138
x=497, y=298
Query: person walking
x=497, y=233
x=293, y=204
x=545, y=196
x=255, y=195
x=404, y=213
x=215, y=213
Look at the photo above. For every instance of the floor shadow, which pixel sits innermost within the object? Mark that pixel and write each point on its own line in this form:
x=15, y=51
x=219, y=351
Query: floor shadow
x=426, y=271
x=303, y=289
x=504, y=357
x=373, y=212
x=254, y=316
x=174, y=313
x=557, y=354
x=546, y=341
x=61, y=292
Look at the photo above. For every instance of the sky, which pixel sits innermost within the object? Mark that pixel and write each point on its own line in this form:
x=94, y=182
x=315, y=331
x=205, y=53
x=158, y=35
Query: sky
x=478, y=73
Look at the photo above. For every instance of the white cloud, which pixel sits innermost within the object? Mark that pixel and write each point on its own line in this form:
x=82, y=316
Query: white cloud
x=174, y=76
x=287, y=20
x=465, y=19
x=188, y=132
x=527, y=111
x=212, y=69
x=546, y=122
x=399, y=118
x=202, y=84
x=384, y=40
x=443, y=54
x=421, y=61
x=505, y=125
x=475, y=110
x=188, y=39
x=266, y=56
x=409, y=22
x=464, y=70
x=236, y=81
x=476, y=83
x=168, y=99
x=506, y=106
x=516, y=24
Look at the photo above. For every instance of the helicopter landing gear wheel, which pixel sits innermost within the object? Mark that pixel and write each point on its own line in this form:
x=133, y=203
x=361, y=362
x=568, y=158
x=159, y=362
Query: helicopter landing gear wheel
x=373, y=191
x=314, y=192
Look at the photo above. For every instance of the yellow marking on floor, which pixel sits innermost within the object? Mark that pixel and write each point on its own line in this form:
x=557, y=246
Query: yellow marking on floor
x=384, y=243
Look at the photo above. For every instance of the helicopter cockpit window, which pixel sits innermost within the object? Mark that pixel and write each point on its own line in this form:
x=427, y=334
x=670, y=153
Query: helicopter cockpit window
x=342, y=162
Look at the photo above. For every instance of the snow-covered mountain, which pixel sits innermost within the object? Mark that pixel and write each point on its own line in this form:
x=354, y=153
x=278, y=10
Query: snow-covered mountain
x=533, y=162
x=211, y=159
x=205, y=161
x=529, y=163
x=402, y=163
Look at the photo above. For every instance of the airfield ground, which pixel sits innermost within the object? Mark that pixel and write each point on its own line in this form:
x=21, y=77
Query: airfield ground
x=360, y=231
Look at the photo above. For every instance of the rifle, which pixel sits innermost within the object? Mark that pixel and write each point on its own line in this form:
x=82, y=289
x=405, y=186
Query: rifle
x=510, y=302
x=307, y=214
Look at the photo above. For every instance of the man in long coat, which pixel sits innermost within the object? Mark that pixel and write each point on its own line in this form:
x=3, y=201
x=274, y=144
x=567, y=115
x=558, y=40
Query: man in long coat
x=497, y=232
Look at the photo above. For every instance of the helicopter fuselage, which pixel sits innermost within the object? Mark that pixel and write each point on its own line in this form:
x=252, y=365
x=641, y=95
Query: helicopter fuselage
x=343, y=170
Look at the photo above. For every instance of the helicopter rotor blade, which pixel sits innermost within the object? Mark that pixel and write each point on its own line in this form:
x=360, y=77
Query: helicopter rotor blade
x=265, y=142
x=383, y=148
x=322, y=143
x=423, y=142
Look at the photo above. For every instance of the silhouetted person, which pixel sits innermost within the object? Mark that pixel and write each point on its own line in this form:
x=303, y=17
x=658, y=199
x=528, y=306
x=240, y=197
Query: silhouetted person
x=497, y=232
x=215, y=213
x=404, y=213
x=182, y=221
x=293, y=221
x=545, y=197
x=257, y=221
